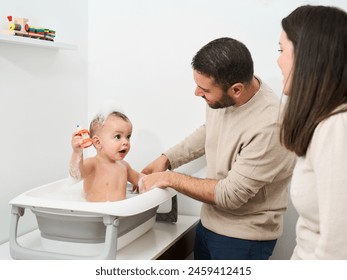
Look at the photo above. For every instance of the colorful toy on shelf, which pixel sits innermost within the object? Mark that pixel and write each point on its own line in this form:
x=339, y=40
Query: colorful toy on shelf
x=86, y=141
x=20, y=27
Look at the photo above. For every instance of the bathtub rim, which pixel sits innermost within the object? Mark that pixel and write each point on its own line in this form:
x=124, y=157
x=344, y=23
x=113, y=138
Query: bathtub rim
x=138, y=203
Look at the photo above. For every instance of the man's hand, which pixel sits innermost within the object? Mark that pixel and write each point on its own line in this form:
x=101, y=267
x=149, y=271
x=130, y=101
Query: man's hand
x=160, y=164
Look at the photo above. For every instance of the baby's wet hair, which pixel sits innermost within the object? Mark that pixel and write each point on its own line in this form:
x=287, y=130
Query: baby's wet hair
x=99, y=120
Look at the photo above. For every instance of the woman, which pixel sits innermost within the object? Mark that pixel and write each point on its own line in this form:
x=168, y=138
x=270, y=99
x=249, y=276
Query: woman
x=313, y=61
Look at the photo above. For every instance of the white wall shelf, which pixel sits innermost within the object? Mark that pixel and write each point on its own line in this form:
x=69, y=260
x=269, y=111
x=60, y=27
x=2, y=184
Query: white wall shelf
x=18, y=40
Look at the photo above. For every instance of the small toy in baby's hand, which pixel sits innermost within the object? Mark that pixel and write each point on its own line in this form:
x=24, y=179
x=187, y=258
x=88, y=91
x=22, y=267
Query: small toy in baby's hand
x=84, y=133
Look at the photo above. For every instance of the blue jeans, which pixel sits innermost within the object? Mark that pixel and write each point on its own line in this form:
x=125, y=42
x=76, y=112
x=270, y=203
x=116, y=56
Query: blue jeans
x=212, y=246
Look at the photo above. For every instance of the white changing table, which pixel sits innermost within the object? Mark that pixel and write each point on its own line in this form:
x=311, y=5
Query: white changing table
x=163, y=241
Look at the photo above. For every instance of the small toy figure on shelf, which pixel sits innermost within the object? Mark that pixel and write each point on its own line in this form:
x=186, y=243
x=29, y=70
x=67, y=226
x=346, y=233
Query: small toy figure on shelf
x=20, y=27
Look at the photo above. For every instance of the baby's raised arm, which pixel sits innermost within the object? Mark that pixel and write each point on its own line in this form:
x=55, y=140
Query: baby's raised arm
x=76, y=160
x=78, y=168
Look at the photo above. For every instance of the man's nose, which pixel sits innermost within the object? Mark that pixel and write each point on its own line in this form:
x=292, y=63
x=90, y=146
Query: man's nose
x=198, y=92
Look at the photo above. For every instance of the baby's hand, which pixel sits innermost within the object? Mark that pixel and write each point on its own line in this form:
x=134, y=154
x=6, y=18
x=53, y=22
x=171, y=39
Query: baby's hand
x=139, y=188
x=76, y=142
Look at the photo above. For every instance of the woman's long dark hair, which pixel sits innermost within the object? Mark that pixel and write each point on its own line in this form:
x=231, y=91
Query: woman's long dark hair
x=319, y=81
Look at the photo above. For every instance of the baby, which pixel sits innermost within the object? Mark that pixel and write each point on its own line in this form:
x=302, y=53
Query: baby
x=106, y=174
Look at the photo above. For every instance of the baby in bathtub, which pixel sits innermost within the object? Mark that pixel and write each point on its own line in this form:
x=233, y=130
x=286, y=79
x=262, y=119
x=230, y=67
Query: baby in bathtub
x=106, y=174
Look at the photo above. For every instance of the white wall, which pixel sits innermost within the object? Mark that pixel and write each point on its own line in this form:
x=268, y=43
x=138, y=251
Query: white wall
x=43, y=95
x=139, y=57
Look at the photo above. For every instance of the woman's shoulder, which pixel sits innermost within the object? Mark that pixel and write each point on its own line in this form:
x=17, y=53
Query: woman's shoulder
x=329, y=139
x=338, y=118
x=331, y=130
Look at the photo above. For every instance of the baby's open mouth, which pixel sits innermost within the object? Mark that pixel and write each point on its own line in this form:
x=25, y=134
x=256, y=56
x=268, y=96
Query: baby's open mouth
x=122, y=151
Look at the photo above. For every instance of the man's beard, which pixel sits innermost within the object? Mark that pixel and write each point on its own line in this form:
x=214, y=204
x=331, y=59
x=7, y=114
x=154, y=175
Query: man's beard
x=225, y=101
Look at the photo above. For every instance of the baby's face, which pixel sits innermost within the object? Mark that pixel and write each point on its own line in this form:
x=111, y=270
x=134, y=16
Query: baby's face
x=115, y=137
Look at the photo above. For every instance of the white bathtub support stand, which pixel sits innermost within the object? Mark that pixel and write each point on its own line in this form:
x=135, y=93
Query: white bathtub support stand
x=20, y=252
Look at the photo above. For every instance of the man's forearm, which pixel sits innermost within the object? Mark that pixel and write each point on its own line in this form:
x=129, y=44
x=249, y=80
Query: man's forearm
x=199, y=189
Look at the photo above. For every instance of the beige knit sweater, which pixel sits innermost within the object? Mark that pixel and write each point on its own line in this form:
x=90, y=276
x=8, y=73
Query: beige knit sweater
x=319, y=193
x=244, y=153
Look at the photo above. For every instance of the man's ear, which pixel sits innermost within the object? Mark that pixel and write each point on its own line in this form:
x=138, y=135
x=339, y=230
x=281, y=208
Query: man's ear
x=96, y=142
x=236, y=89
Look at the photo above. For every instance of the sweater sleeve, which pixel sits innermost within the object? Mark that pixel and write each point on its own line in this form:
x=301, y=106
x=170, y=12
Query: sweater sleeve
x=328, y=153
x=257, y=164
x=189, y=149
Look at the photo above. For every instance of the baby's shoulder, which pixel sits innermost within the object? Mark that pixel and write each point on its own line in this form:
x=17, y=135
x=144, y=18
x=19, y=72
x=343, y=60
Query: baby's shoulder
x=91, y=160
x=123, y=163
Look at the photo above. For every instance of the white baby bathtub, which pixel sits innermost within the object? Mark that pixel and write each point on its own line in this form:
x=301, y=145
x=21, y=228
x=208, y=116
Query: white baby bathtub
x=72, y=228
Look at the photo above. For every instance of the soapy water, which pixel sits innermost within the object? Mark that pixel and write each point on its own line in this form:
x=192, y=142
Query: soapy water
x=75, y=172
x=140, y=184
x=72, y=190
